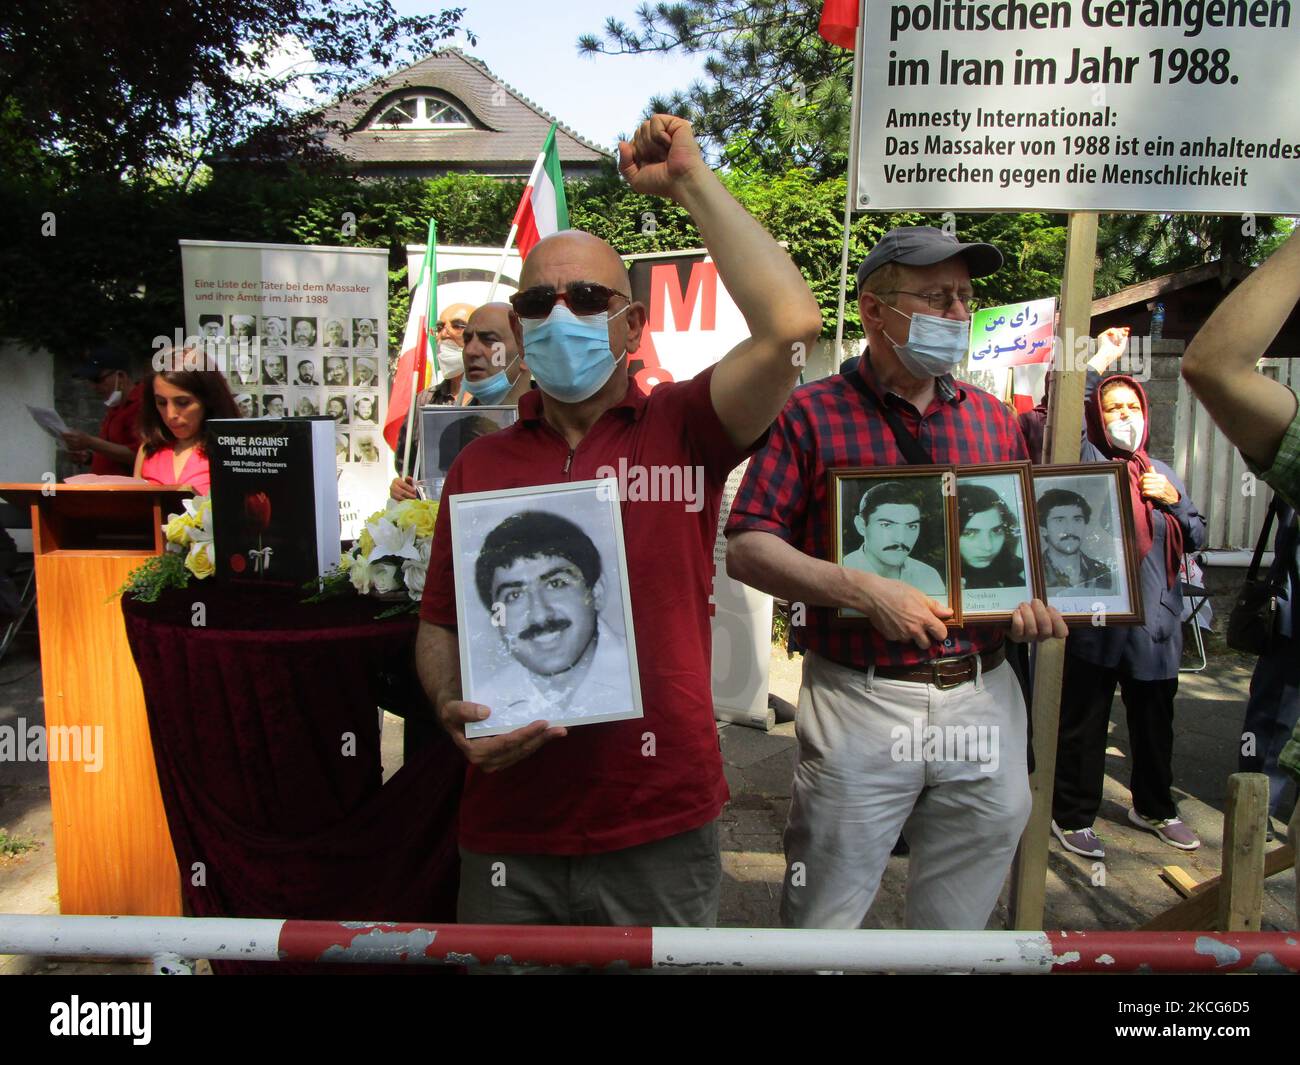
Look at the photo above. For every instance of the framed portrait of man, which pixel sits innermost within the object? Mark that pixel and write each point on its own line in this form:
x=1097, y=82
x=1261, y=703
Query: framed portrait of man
x=898, y=522
x=445, y=432
x=1089, y=550
x=997, y=541
x=543, y=608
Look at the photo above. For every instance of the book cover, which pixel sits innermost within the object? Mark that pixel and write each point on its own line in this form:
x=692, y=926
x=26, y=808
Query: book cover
x=275, y=515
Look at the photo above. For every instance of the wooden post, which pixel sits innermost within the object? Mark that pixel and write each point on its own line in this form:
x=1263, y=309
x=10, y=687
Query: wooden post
x=1060, y=444
x=1241, y=902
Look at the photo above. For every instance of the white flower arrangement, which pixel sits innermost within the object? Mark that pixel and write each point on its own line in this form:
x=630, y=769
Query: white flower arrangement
x=392, y=554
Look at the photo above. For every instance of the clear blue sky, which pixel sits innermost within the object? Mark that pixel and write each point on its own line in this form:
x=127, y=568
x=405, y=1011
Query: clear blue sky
x=532, y=46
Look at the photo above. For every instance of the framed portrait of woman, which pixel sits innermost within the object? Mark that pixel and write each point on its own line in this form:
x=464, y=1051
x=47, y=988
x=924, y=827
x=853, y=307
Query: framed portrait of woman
x=898, y=522
x=997, y=545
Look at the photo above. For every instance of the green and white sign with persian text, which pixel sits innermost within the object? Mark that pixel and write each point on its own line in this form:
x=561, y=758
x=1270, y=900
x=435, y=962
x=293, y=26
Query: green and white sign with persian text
x=1080, y=105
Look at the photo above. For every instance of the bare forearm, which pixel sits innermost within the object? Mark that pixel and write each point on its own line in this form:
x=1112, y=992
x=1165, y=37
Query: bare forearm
x=1236, y=335
x=437, y=663
x=771, y=565
x=761, y=277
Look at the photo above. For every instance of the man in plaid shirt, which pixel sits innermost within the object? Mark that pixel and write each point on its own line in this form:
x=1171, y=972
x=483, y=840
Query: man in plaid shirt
x=904, y=724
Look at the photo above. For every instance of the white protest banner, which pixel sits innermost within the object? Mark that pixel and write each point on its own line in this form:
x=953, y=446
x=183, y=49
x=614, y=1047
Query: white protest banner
x=305, y=333
x=1080, y=105
x=691, y=319
x=465, y=273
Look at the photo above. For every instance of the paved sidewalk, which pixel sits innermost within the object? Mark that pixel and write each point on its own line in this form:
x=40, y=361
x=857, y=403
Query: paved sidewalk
x=759, y=767
x=1207, y=737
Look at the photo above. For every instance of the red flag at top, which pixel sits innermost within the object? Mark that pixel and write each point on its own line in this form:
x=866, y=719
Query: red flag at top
x=839, y=24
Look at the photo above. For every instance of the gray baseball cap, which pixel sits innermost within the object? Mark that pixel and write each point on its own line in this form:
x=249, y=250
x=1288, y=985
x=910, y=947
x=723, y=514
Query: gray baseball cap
x=925, y=246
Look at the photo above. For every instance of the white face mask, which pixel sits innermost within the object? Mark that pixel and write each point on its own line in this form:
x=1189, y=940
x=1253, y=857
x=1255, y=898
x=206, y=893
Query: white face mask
x=1126, y=435
x=115, y=399
x=935, y=346
x=451, y=360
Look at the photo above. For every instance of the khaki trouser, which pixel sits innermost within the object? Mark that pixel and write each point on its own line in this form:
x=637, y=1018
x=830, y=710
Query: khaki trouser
x=876, y=757
x=675, y=881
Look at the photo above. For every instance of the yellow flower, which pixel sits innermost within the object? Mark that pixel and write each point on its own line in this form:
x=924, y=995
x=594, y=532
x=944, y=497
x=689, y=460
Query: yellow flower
x=365, y=543
x=199, y=561
x=417, y=514
x=178, y=529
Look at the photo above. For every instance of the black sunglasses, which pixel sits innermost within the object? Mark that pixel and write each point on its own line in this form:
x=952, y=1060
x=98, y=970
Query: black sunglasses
x=581, y=297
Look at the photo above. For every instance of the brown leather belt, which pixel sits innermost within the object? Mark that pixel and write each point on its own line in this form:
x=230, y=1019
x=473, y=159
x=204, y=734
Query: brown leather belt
x=944, y=673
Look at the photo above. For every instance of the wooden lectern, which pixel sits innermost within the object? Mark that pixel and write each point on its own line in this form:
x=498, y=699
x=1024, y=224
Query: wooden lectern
x=112, y=847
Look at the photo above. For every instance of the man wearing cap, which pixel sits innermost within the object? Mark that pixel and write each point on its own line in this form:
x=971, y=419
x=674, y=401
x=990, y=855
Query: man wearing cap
x=113, y=450
x=871, y=690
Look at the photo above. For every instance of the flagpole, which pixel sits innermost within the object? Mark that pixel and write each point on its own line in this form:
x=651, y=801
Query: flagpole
x=418, y=363
x=514, y=224
x=850, y=192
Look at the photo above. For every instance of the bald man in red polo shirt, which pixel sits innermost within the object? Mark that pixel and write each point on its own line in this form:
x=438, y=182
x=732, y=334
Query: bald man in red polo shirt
x=595, y=825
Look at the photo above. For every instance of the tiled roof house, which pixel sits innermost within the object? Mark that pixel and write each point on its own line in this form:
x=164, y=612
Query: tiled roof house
x=449, y=113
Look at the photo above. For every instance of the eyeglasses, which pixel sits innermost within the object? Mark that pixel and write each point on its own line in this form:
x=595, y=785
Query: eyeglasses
x=581, y=297
x=453, y=323
x=937, y=301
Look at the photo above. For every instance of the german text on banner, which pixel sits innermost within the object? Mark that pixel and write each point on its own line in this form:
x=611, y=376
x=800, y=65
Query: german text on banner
x=1096, y=105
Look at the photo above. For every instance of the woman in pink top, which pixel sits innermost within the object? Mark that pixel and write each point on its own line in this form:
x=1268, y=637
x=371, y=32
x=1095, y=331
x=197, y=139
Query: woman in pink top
x=174, y=426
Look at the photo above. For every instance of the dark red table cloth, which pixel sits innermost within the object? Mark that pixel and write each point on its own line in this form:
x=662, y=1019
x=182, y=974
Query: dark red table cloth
x=265, y=731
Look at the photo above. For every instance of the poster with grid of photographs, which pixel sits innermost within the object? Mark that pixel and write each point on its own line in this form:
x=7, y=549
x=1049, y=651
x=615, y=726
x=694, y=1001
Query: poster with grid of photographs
x=1089, y=549
x=997, y=541
x=543, y=606
x=898, y=523
x=303, y=332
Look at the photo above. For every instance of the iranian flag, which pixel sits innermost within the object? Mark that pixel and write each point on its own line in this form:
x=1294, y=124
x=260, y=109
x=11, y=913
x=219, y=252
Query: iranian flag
x=839, y=22
x=542, y=210
x=411, y=376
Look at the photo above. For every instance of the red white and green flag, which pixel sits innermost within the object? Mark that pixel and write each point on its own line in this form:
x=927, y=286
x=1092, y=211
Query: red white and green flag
x=412, y=375
x=839, y=22
x=542, y=209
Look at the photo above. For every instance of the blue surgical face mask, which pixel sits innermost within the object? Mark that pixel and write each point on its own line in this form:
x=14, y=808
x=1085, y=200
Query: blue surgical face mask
x=935, y=346
x=569, y=354
x=491, y=390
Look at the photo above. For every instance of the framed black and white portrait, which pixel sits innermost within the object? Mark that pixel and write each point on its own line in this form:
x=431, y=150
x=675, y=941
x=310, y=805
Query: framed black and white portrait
x=246, y=404
x=274, y=405
x=337, y=407
x=364, y=335
x=275, y=368
x=365, y=408
x=365, y=448
x=304, y=333
x=306, y=370
x=337, y=371
x=898, y=522
x=997, y=541
x=212, y=326
x=306, y=402
x=274, y=332
x=335, y=333
x=1085, y=524
x=445, y=431
x=365, y=371
x=542, y=606
x=241, y=366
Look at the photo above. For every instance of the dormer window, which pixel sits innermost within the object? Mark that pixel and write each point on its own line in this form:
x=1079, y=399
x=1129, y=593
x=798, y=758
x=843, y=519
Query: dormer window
x=420, y=110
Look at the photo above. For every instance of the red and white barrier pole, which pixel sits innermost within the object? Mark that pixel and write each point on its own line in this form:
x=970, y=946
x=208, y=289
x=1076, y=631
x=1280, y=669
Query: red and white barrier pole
x=730, y=949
